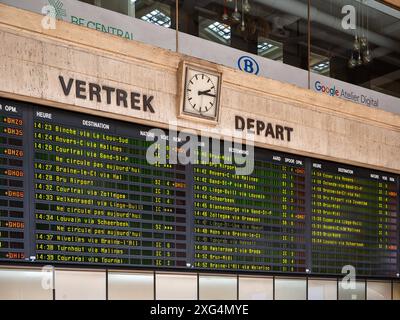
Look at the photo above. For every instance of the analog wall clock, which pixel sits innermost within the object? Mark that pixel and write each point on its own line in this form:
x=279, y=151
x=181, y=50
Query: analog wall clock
x=200, y=93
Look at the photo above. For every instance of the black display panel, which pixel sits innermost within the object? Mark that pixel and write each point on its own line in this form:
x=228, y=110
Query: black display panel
x=354, y=219
x=77, y=190
x=251, y=222
x=97, y=200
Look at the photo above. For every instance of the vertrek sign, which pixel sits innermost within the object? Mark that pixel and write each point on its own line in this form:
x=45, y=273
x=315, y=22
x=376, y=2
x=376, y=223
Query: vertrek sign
x=106, y=94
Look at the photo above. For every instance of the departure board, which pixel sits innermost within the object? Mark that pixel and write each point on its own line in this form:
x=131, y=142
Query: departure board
x=354, y=220
x=97, y=200
x=251, y=222
x=79, y=190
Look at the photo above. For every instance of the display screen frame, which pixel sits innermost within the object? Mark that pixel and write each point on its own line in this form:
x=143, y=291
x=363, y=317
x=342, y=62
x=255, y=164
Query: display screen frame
x=307, y=164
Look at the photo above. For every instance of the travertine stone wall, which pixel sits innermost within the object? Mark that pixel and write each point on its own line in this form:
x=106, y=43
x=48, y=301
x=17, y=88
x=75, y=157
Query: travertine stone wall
x=395, y=3
x=32, y=59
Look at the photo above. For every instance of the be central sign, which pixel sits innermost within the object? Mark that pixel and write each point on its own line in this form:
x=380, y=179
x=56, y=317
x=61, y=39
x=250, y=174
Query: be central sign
x=102, y=27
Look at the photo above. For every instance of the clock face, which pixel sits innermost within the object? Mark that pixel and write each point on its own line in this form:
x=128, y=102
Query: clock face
x=201, y=96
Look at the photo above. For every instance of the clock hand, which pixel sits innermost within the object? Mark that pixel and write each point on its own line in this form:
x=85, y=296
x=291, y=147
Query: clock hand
x=203, y=92
x=210, y=95
x=206, y=93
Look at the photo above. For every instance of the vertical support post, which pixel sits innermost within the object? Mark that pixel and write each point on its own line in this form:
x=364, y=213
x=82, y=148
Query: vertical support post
x=309, y=42
x=177, y=25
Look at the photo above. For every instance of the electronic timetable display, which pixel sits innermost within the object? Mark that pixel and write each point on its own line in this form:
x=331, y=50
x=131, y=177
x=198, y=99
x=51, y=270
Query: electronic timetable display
x=354, y=219
x=251, y=222
x=77, y=190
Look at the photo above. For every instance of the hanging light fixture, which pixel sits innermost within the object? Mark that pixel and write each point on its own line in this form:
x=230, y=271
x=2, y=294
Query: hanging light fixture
x=225, y=15
x=236, y=14
x=367, y=56
x=352, y=62
x=356, y=44
x=242, y=25
x=363, y=42
x=359, y=59
x=246, y=6
x=363, y=39
x=360, y=48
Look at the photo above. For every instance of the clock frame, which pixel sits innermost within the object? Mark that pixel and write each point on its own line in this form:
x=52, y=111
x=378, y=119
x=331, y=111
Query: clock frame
x=185, y=107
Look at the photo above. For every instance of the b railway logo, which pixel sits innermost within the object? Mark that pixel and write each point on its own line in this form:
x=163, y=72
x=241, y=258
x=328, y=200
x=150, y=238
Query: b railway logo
x=249, y=65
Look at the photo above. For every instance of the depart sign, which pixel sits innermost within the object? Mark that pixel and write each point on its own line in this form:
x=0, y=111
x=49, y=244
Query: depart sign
x=262, y=128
